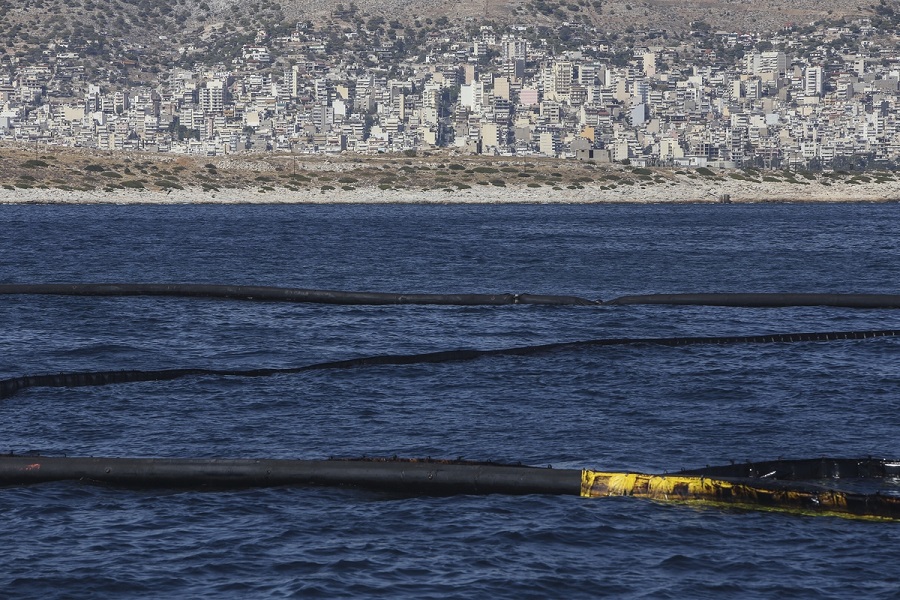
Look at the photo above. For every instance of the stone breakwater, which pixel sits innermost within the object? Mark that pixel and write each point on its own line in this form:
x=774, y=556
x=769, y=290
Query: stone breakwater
x=589, y=193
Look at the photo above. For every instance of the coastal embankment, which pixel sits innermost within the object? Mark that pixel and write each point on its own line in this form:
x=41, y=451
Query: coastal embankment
x=586, y=194
x=67, y=176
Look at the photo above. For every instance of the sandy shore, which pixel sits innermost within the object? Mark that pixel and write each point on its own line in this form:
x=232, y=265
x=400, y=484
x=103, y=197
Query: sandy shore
x=687, y=191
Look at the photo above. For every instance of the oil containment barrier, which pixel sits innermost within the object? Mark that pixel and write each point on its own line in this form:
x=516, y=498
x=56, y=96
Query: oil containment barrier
x=9, y=387
x=286, y=294
x=793, y=486
x=281, y=294
x=748, y=494
x=401, y=476
x=765, y=300
x=783, y=489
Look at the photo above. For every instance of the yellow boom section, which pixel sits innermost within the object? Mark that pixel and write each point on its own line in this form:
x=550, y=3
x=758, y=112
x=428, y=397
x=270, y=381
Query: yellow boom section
x=755, y=494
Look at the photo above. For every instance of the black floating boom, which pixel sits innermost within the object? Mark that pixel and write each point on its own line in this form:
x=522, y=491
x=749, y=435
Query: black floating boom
x=753, y=491
x=284, y=294
x=401, y=476
x=765, y=300
x=281, y=294
x=805, y=469
x=9, y=387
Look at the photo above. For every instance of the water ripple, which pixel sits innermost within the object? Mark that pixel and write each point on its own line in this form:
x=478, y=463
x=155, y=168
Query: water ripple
x=636, y=408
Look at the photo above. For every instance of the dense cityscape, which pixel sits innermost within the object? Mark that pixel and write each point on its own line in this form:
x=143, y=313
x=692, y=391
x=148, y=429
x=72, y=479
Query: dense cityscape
x=810, y=97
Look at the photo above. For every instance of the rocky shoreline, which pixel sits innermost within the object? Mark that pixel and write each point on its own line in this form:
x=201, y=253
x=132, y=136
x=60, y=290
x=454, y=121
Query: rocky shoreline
x=689, y=191
x=66, y=176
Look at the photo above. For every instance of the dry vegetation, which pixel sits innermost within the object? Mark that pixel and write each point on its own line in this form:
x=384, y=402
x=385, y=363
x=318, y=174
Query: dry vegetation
x=606, y=15
x=54, y=169
x=66, y=170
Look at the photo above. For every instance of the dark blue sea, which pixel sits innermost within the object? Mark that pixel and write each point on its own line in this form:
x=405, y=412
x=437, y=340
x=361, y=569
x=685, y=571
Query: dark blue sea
x=642, y=408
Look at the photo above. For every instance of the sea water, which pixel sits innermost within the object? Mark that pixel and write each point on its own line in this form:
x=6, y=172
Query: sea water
x=642, y=408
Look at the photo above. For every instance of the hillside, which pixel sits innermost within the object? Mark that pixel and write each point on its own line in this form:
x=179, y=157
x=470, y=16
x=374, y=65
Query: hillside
x=119, y=34
x=612, y=15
